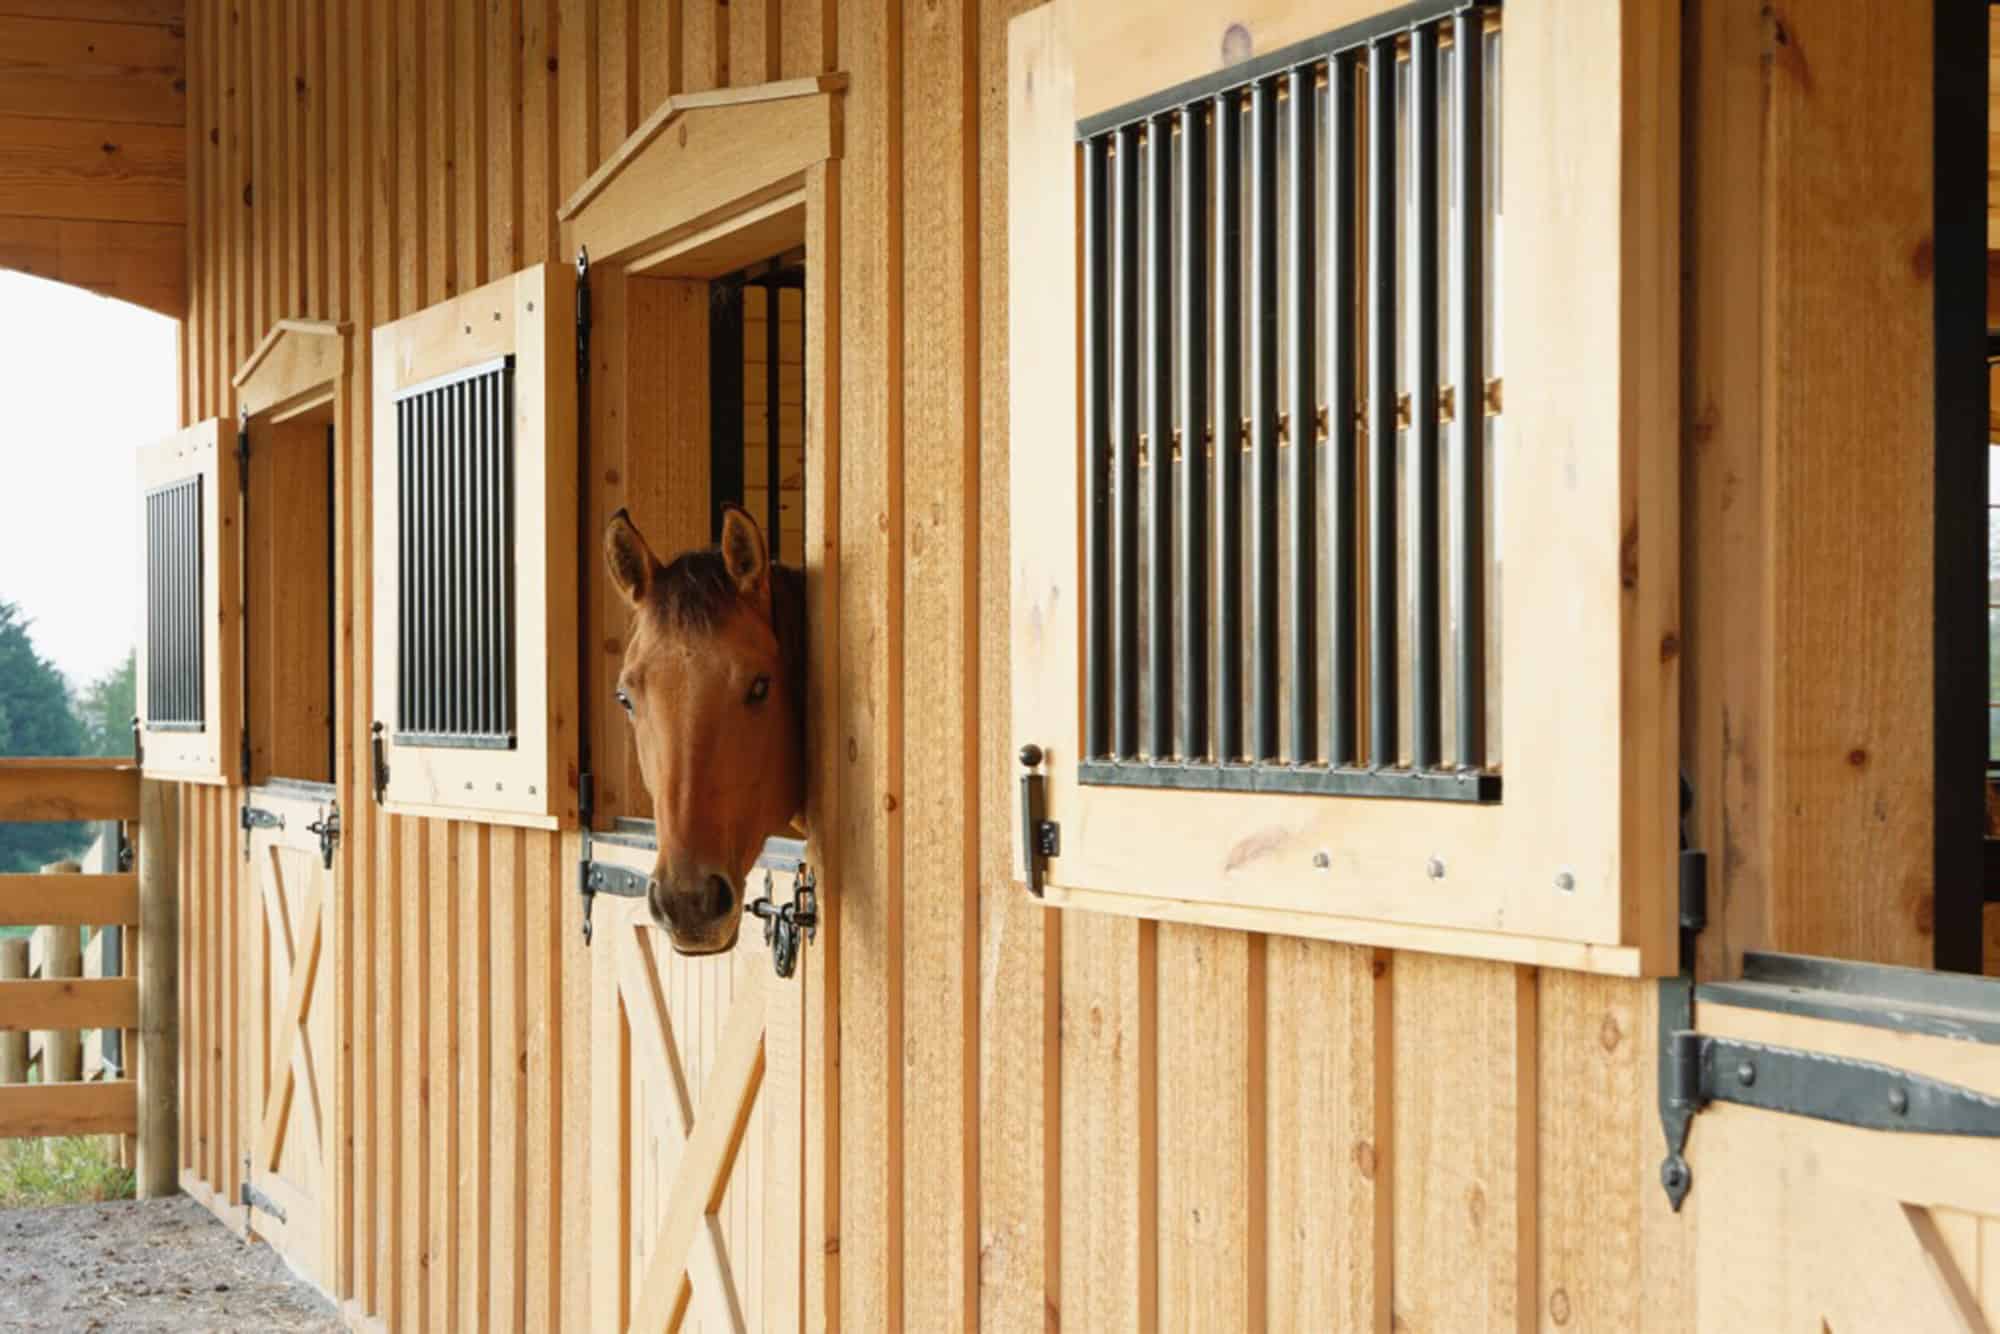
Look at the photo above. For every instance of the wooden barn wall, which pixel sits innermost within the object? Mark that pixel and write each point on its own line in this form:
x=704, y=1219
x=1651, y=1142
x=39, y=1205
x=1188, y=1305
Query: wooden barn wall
x=92, y=147
x=1039, y=1119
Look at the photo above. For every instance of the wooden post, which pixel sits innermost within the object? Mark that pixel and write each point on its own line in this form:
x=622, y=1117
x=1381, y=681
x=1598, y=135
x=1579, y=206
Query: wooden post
x=14, y=1046
x=159, y=982
x=62, y=957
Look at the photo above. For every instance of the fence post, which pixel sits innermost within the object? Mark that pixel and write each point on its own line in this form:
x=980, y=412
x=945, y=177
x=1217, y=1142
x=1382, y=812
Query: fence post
x=159, y=982
x=62, y=957
x=14, y=1046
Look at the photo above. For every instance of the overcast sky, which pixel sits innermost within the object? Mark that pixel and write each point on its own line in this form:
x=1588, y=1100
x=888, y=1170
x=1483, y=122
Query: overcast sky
x=84, y=382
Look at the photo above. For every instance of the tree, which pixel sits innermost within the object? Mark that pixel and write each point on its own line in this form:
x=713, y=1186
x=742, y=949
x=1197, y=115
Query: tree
x=107, y=707
x=35, y=719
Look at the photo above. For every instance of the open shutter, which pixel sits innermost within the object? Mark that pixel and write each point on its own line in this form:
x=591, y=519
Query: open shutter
x=190, y=662
x=475, y=549
x=1263, y=489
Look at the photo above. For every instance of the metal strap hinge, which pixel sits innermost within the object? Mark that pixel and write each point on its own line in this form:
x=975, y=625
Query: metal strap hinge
x=252, y=1198
x=380, y=747
x=1697, y=1069
x=250, y=817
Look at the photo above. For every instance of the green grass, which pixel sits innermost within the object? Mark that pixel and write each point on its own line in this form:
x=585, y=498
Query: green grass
x=76, y=1169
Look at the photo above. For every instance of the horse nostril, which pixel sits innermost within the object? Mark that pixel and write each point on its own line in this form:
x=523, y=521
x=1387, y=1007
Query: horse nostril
x=719, y=887
x=655, y=904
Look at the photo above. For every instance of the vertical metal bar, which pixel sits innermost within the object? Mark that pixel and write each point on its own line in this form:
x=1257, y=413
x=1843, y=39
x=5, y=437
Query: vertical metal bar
x=1264, y=352
x=1300, y=367
x=773, y=406
x=1468, y=489
x=1383, y=200
x=1425, y=722
x=197, y=679
x=473, y=492
x=507, y=553
x=1228, y=444
x=428, y=529
x=405, y=494
x=1125, y=412
x=490, y=415
x=1097, y=449
x=1190, y=256
x=1160, y=428
x=1340, y=356
x=463, y=444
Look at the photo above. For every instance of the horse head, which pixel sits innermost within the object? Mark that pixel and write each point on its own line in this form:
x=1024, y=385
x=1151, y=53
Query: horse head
x=714, y=685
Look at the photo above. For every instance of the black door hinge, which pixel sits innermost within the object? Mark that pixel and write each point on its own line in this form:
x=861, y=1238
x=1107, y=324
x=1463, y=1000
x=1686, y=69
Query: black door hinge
x=138, y=742
x=380, y=755
x=327, y=828
x=582, y=315
x=243, y=449
x=1041, y=837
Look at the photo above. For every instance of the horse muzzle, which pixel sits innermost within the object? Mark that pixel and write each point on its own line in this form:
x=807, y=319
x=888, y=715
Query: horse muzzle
x=700, y=913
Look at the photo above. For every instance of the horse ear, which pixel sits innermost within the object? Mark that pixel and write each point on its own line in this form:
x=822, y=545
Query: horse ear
x=744, y=552
x=629, y=559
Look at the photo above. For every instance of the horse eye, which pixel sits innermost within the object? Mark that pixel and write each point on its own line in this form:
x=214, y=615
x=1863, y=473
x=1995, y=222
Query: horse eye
x=625, y=701
x=759, y=688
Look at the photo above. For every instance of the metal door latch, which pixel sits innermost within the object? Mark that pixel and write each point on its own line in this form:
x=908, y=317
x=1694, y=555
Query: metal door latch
x=1041, y=838
x=327, y=827
x=784, y=924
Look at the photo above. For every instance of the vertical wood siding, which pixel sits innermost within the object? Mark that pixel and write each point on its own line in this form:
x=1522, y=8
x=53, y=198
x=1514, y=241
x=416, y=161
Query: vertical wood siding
x=1109, y=1123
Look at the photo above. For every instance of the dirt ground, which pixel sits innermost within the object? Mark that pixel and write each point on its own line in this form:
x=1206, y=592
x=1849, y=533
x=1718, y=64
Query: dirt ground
x=162, y=1265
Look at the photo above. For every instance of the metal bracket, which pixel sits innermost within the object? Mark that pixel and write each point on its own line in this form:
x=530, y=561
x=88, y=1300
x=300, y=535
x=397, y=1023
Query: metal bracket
x=327, y=827
x=380, y=747
x=250, y=817
x=594, y=878
x=252, y=1198
x=138, y=742
x=784, y=924
x=1041, y=838
x=1677, y=1103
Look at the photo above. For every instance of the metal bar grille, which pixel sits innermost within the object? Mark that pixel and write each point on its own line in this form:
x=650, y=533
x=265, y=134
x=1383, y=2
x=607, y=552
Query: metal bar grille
x=1281, y=270
x=455, y=540
x=176, y=664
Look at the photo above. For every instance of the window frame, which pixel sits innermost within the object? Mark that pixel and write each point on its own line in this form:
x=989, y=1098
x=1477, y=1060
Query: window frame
x=530, y=315
x=1575, y=867
x=209, y=754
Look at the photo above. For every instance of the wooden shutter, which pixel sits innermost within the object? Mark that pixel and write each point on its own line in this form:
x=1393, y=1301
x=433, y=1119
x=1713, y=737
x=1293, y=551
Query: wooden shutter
x=475, y=537
x=1198, y=758
x=190, y=662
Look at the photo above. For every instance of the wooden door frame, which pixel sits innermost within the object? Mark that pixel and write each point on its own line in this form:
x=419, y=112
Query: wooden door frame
x=745, y=173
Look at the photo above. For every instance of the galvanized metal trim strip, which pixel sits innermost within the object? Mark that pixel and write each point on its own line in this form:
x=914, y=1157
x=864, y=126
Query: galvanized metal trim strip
x=1388, y=23
x=1308, y=780
x=504, y=362
x=1958, y=1006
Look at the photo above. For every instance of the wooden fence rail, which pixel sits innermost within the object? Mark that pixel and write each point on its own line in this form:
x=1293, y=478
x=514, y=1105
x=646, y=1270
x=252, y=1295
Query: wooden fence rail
x=141, y=1098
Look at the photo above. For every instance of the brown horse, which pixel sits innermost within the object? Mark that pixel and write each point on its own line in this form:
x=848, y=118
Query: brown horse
x=714, y=684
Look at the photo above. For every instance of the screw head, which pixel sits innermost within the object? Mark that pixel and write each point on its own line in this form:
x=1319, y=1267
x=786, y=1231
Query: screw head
x=1322, y=860
x=1434, y=868
x=1031, y=756
x=1746, y=1074
x=1899, y=1100
x=1566, y=881
x=1674, y=1175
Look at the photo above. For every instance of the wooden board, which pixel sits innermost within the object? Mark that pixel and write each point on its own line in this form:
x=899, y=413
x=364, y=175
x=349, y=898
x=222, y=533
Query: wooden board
x=108, y=1107
x=109, y=899
x=68, y=789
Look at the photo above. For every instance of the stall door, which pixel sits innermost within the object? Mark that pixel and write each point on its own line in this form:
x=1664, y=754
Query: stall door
x=1826, y=1226
x=701, y=1136
x=289, y=833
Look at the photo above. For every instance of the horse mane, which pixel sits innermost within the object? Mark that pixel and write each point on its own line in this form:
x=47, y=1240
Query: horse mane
x=695, y=591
